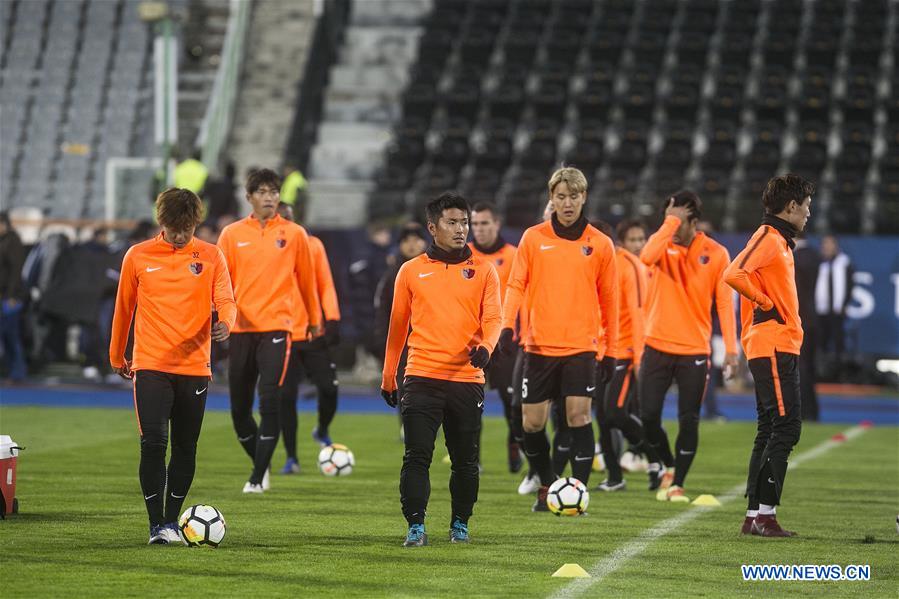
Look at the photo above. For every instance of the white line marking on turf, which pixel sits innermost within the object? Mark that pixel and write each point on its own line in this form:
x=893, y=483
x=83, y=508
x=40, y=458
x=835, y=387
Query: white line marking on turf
x=635, y=547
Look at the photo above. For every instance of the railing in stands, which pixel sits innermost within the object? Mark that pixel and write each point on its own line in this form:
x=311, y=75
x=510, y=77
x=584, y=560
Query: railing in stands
x=220, y=112
x=329, y=28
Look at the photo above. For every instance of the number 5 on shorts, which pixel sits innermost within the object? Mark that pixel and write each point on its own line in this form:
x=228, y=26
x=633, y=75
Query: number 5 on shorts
x=524, y=388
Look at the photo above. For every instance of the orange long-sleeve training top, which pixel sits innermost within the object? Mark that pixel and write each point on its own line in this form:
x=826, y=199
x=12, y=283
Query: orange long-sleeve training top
x=502, y=260
x=763, y=275
x=452, y=308
x=265, y=263
x=683, y=282
x=632, y=285
x=570, y=289
x=174, y=292
x=324, y=290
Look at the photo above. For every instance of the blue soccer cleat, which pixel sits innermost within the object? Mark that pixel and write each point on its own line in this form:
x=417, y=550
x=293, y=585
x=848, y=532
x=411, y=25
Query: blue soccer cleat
x=459, y=532
x=291, y=466
x=416, y=537
x=323, y=439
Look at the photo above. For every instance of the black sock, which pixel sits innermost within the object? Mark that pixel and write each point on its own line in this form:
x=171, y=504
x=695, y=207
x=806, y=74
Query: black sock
x=152, y=479
x=327, y=407
x=182, y=466
x=582, y=445
x=561, y=450
x=536, y=449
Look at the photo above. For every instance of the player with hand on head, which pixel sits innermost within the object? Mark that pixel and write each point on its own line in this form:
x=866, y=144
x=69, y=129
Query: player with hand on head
x=489, y=245
x=267, y=257
x=168, y=286
x=686, y=274
x=312, y=356
x=763, y=274
x=451, y=300
x=564, y=272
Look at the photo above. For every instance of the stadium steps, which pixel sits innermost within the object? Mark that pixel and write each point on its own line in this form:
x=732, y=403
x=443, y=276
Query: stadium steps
x=203, y=36
x=271, y=75
x=361, y=105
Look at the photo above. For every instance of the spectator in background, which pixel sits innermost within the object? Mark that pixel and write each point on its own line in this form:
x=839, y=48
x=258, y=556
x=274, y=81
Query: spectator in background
x=412, y=243
x=191, y=173
x=12, y=297
x=207, y=232
x=221, y=195
x=94, y=335
x=833, y=290
x=293, y=189
x=366, y=269
x=807, y=261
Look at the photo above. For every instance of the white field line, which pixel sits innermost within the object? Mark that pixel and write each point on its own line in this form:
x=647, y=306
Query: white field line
x=618, y=558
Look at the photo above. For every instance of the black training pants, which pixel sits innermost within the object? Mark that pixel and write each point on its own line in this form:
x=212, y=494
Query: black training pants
x=779, y=425
x=162, y=400
x=426, y=405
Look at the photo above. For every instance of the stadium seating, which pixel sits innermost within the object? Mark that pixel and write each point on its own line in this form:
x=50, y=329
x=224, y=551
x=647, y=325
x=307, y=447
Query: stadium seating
x=647, y=96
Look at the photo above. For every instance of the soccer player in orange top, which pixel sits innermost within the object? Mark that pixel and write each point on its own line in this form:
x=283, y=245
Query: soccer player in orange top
x=312, y=356
x=772, y=336
x=173, y=281
x=267, y=257
x=565, y=273
x=451, y=300
x=685, y=275
x=489, y=245
x=613, y=410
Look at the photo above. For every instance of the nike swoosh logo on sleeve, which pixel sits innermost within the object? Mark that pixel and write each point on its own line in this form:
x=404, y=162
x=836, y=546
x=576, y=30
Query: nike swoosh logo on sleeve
x=154, y=269
x=546, y=247
x=241, y=244
x=424, y=274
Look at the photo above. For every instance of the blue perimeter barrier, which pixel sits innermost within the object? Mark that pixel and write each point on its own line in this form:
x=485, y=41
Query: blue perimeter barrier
x=880, y=410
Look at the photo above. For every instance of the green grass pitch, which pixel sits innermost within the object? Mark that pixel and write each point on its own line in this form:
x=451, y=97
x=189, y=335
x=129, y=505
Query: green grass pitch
x=82, y=531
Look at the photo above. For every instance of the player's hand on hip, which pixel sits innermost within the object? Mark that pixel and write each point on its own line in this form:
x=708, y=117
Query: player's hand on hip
x=312, y=331
x=479, y=356
x=390, y=397
x=124, y=371
x=220, y=331
x=506, y=343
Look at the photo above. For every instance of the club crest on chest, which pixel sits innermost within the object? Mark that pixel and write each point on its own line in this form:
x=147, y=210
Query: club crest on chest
x=196, y=267
x=467, y=273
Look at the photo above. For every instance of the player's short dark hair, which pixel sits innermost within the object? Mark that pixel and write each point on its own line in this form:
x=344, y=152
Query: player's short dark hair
x=604, y=227
x=628, y=224
x=688, y=199
x=486, y=207
x=179, y=209
x=262, y=176
x=782, y=190
x=446, y=201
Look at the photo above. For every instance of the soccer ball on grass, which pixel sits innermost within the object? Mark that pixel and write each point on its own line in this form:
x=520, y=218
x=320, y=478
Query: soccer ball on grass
x=567, y=497
x=201, y=526
x=336, y=460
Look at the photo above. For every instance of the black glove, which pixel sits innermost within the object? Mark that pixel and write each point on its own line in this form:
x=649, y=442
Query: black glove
x=390, y=397
x=759, y=316
x=506, y=343
x=607, y=369
x=332, y=333
x=479, y=356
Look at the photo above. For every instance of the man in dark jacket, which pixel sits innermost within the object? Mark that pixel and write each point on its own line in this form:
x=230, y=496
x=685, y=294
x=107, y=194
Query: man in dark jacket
x=12, y=296
x=807, y=261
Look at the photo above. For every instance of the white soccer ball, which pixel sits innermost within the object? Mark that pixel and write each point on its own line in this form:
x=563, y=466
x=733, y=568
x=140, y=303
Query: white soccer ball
x=336, y=460
x=568, y=497
x=201, y=526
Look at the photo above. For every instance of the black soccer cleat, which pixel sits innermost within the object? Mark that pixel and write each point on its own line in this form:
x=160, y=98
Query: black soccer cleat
x=540, y=504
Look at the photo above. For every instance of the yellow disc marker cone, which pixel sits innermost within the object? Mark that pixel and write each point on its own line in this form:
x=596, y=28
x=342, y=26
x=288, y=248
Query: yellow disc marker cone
x=707, y=500
x=571, y=571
